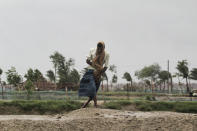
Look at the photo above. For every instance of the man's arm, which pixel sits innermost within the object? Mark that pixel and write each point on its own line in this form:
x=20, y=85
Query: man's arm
x=88, y=62
x=104, y=69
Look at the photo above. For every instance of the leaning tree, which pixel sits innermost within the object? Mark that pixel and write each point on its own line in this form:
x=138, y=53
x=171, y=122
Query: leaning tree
x=128, y=78
x=51, y=76
x=193, y=74
x=1, y=71
x=183, y=69
x=149, y=73
x=13, y=77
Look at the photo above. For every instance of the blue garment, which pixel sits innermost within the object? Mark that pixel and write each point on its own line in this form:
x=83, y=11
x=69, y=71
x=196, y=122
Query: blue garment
x=88, y=87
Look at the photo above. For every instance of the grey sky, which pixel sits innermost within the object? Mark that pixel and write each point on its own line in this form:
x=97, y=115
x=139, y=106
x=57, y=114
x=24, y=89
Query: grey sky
x=136, y=32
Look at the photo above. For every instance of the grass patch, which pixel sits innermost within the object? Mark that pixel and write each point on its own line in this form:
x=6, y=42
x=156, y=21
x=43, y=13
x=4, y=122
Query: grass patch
x=117, y=104
x=184, y=107
x=150, y=98
x=154, y=106
x=138, y=94
x=38, y=107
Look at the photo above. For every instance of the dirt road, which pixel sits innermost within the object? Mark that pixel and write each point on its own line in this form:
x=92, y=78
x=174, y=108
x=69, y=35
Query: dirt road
x=92, y=119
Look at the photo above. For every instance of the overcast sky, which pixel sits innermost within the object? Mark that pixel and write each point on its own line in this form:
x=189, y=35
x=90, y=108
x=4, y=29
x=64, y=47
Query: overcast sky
x=136, y=32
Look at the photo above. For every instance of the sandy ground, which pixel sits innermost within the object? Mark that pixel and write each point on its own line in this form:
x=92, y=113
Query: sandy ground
x=93, y=119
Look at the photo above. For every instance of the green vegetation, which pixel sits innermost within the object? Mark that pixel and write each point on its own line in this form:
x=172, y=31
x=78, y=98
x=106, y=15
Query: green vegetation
x=37, y=107
x=132, y=94
x=128, y=77
x=63, y=69
x=51, y=75
x=29, y=87
x=1, y=71
x=150, y=98
x=193, y=74
x=34, y=75
x=117, y=104
x=184, y=107
x=13, y=77
x=183, y=69
x=54, y=107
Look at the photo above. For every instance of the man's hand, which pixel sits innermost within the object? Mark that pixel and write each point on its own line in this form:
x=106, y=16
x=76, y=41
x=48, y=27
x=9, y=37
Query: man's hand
x=88, y=62
x=104, y=69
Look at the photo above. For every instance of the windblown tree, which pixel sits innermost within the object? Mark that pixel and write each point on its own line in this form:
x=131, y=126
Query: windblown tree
x=164, y=76
x=74, y=76
x=149, y=72
x=147, y=83
x=38, y=75
x=1, y=71
x=64, y=69
x=193, y=74
x=34, y=76
x=50, y=74
x=128, y=78
x=30, y=75
x=114, y=79
x=57, y=60
x=113, y=70
x=103, y=78
x=183, y=69
x=178, y=75
x=29, y=86
x=13, y=77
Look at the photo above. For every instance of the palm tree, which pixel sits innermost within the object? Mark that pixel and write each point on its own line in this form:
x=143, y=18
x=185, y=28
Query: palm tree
x=1, y=71
x=50, y=74
x=183, y=69
x=164, y=76
x=127, y=76
x=193, y=74
x=114, y=79
x=113, y=70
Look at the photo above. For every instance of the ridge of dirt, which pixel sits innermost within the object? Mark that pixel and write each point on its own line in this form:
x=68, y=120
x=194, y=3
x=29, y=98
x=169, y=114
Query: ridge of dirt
x=95, y=119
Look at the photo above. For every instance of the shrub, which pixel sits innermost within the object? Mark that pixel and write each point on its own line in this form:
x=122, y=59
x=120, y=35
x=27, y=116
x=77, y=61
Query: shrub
x=117, y=104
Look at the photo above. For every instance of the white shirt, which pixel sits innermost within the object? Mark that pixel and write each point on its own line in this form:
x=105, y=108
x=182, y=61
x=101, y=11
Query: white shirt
x=92, y=55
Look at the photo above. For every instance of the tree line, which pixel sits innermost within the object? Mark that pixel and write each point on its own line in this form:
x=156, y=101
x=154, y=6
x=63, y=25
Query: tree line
x=64, y=72
x=153, y=76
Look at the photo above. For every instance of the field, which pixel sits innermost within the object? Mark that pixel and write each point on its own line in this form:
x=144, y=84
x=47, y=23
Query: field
x=116, y=111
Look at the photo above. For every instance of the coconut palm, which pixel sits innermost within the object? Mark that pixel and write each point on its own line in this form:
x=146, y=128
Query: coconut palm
x=183, y=69
x=193, y=74
x=128, y=78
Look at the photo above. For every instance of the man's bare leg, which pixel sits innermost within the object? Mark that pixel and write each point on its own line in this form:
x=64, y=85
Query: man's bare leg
x=95, y=101
x=85, y=104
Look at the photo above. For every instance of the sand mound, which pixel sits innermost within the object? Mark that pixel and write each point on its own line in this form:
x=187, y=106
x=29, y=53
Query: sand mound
x=93, y=119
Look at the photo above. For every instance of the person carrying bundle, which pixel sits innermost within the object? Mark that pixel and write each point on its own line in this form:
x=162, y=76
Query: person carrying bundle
x=98, y=61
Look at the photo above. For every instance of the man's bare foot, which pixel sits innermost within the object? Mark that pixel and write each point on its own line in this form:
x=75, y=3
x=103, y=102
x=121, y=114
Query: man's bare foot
x=96, y=106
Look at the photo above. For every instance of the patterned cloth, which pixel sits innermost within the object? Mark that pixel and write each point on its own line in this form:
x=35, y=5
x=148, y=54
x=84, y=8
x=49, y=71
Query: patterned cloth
x=87, y=85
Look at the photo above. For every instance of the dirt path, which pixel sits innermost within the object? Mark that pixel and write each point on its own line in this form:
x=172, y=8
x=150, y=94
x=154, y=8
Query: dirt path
x=92, y=119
